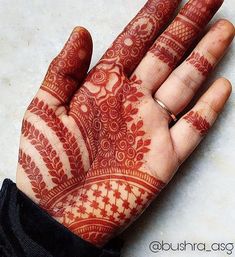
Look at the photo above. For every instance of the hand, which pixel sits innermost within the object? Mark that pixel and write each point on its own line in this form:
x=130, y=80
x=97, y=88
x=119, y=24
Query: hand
x=97, y=148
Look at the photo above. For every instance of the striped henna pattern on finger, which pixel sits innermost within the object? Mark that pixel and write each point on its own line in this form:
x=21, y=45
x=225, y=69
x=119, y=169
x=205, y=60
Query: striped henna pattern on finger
x=171, y=46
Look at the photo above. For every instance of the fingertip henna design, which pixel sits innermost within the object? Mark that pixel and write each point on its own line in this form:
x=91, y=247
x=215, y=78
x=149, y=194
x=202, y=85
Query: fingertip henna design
x=201, y=11
x=198, y=122
x=70, y=67
x=200, y=63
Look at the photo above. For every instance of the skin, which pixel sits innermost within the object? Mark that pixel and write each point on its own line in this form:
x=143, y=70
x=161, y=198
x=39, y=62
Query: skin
x=96, y=148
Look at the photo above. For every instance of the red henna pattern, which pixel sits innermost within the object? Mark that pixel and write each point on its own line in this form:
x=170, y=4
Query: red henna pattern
x=200, y=63
x=38, y=185
x=166, y=56
x=164, y=40
x=97, y=203
x=201, y=124
x=99, y=109
x=69, y=68
x=201, y=11
x=177, y=38
x=69, y=141
x=49, y=155
x=131, y=45
x=113, y=191
x=109, y=199
x=182, y=32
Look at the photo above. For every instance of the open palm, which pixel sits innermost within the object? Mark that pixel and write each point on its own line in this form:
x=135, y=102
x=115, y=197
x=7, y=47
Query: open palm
x=97, y=148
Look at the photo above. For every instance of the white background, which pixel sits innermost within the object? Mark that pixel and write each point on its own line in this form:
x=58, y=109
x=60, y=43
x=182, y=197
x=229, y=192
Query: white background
x=199, y=204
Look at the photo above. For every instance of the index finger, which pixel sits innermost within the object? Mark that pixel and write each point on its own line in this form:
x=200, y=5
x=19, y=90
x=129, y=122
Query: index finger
x=135, y=40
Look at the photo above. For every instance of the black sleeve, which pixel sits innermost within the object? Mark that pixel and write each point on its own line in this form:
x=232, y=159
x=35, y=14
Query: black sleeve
x=28, y=231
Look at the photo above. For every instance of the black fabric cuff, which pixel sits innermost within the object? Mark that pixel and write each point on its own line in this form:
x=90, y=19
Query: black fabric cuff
x=28, y=231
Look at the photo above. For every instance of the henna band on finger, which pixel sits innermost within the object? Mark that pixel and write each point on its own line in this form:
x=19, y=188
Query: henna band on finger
x=170, y=113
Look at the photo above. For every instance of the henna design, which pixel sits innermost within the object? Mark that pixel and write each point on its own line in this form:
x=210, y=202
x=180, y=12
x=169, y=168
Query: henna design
x=201, y=11
x=38, y=185
x=49, y=155
x=201, y=124
x=69, y=142
x=131, y=45
x=69, y=68
x=98, y=202
x=171, y=46
x=170, y=43
x=166, y=56
x=110, y=198
x=114, y=191
x=200, y=63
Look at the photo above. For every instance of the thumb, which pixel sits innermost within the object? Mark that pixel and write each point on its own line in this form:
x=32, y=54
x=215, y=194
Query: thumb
x=68, y=69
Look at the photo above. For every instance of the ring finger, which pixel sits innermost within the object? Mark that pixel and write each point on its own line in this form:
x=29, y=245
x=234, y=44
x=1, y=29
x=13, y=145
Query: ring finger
x=180, y=87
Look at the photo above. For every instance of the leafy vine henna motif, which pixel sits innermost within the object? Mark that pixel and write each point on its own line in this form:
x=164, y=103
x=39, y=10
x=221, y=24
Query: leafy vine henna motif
x=47, y=152
x=200, y=63
x=68, y=140
x=34, y=175
x=131, y=45
x=171, y=46
x=198, y=122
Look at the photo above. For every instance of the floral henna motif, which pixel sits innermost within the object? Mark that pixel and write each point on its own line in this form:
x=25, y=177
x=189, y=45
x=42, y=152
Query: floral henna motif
x=103, y=109
x=200, y=63
x=199, y=123
x=173, y=43
x=131, y=45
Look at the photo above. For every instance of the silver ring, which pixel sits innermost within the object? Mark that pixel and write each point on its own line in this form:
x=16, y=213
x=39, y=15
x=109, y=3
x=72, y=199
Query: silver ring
x=170, y=113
